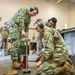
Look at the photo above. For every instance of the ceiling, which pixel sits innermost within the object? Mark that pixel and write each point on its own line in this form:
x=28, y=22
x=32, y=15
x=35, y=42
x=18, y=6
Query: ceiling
x=59, y=1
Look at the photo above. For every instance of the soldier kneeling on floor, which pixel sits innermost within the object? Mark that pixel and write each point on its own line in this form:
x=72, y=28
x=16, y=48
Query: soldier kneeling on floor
x=55, y=58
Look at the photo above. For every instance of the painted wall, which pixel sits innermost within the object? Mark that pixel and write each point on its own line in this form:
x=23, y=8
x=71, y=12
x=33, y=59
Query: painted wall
x=63, y=11
x=46, y=10
x=71, y=15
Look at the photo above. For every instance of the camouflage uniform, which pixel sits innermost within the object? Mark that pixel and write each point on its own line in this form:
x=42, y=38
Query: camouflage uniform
x=39, y=46
x=19, y=21
x=55, y=53
x=40, y=37
x=5, y=34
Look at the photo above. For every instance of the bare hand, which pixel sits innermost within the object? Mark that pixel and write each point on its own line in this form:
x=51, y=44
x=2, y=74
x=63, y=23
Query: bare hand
x=23, y=33
x=38, y=63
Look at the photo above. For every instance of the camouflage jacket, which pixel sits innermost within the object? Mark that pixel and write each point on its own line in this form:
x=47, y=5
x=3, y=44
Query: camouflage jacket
x=4, y=32
x=55, y=47
x=40, y=35
x=20, y=20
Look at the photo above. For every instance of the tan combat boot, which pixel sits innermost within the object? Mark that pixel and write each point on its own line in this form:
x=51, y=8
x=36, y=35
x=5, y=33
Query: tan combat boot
x=16, y=64
x=67, y=68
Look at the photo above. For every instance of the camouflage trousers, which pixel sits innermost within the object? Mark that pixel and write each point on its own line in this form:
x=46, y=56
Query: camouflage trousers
x=15, y=35
x=48, y=68
x=15, y=50
x=4, y=43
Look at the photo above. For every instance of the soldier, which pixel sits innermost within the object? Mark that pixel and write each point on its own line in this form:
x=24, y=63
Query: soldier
x=55, y=57
x=18, y=26
x=5, y=34
x=38, y=40
x=51, y=22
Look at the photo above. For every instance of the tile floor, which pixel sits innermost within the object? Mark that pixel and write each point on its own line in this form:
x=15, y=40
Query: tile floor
x=6, y=64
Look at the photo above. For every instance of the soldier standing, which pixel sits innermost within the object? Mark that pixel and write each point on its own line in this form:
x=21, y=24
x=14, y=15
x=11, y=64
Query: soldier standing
x=18, y=26
x=5, y=34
